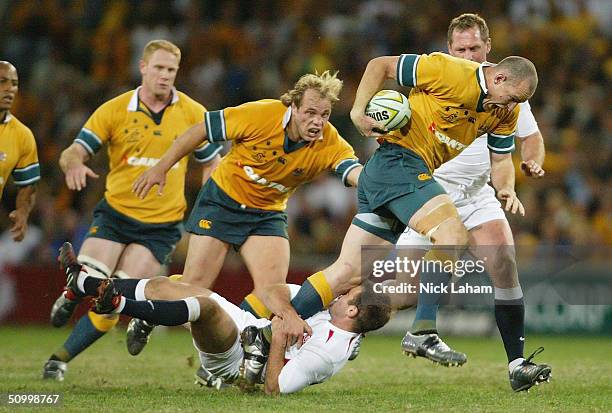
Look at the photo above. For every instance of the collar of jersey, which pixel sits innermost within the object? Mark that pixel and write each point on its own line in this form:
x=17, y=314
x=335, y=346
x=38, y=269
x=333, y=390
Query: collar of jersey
x=133, y=105
x=342, y=331
x=290, y=146
x=7, y=118
x=482, y=82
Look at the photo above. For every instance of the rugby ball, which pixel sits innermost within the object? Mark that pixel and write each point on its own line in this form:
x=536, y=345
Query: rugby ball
x=390, y=108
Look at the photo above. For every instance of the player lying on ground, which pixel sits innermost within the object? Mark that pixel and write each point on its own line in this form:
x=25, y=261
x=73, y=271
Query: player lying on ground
x=216, y=325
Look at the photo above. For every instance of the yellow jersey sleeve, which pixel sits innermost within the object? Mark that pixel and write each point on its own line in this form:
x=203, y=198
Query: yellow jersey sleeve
x=501, y=139
x=98, y=129
x=27, y=168
x=237, y=122
x=437, y=73
x=342, y=159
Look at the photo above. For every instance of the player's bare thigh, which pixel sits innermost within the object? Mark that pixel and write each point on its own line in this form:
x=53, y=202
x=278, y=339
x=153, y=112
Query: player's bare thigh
x=137, y=261
x=493, y=240
x=215, y=331
x=163, y=288
x=102, y=253
x=267, y=259
x=346, y=272
x=205, y=258
x=439, y=219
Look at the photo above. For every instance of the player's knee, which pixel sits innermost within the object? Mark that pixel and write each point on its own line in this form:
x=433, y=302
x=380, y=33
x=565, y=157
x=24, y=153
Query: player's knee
x=343, y=275
x=209, y=309
x=155, y=286
x=342, y=271
x=451, y=232
x=503, y=267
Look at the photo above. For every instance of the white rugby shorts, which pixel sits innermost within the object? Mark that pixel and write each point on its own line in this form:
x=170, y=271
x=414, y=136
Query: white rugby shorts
x=474, y=207
x=226, y=365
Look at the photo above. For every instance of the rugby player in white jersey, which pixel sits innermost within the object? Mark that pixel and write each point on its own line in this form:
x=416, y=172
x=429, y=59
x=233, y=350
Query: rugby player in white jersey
x=465, y=179
x=217, y=325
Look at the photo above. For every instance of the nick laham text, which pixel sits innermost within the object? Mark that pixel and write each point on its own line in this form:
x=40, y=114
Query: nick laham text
x=431, y=288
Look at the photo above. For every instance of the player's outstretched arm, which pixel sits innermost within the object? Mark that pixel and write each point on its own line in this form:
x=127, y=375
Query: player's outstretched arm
x=276, y=358
x=26, y=196
x=276, y=297
x=533, y=154
x=156, y=175
x=502, y=178
x=377, y=71
x=72, y=162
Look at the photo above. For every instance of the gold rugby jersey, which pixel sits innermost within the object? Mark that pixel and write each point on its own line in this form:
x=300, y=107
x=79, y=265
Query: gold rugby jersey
x=264, y=167
x=447, y=113
x=136, y=140
x=18, y=154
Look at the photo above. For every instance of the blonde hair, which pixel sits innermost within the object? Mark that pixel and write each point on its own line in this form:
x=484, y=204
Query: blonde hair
x=155, y=45
x=327, y=84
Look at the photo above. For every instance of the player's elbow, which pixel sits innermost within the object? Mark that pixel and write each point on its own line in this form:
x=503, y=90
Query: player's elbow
x=384, y=64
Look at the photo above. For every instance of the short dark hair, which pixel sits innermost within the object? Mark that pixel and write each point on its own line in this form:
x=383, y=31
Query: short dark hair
x=520, y=69
x=374, y=309
x=467, y=21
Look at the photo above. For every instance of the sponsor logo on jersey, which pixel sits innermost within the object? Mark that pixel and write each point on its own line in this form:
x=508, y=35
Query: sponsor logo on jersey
x=144, y=161
x=3, y=156
x=259, y=156
x=282, y=160
x=450, y=117
x=253, y=176
x=205, y=224
x=442, y=138
x=1, y=180
x=298, y=172
x=423, y=177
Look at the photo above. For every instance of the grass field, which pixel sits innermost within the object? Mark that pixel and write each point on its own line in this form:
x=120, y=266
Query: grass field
x=382, y=379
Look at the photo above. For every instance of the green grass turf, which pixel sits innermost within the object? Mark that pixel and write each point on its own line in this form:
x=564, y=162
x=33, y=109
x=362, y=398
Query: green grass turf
x=107, y=378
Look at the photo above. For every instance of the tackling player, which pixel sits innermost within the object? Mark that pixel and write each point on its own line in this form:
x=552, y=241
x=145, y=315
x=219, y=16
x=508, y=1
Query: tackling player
x=465, y=179
x=18, y=155
x=277, y=145
x=453, y=101
x=129, y=236
x=216, y=326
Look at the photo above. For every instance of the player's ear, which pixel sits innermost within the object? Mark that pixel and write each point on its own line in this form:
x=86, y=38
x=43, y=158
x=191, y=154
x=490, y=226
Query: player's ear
x=142, y=64
x=352, y=311
x=500, y=77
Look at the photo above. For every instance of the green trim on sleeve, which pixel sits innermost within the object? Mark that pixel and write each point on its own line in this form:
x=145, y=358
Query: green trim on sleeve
x=406, y=70
x=500, y=143
x=215, y=126
x=26, y=176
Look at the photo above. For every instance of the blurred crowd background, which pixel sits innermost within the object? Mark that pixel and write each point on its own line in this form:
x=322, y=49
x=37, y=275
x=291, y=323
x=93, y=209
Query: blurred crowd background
x=74, y=55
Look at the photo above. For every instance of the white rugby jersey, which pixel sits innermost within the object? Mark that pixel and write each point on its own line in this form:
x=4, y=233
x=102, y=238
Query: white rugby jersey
x=472, y=166
x=321, y=356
